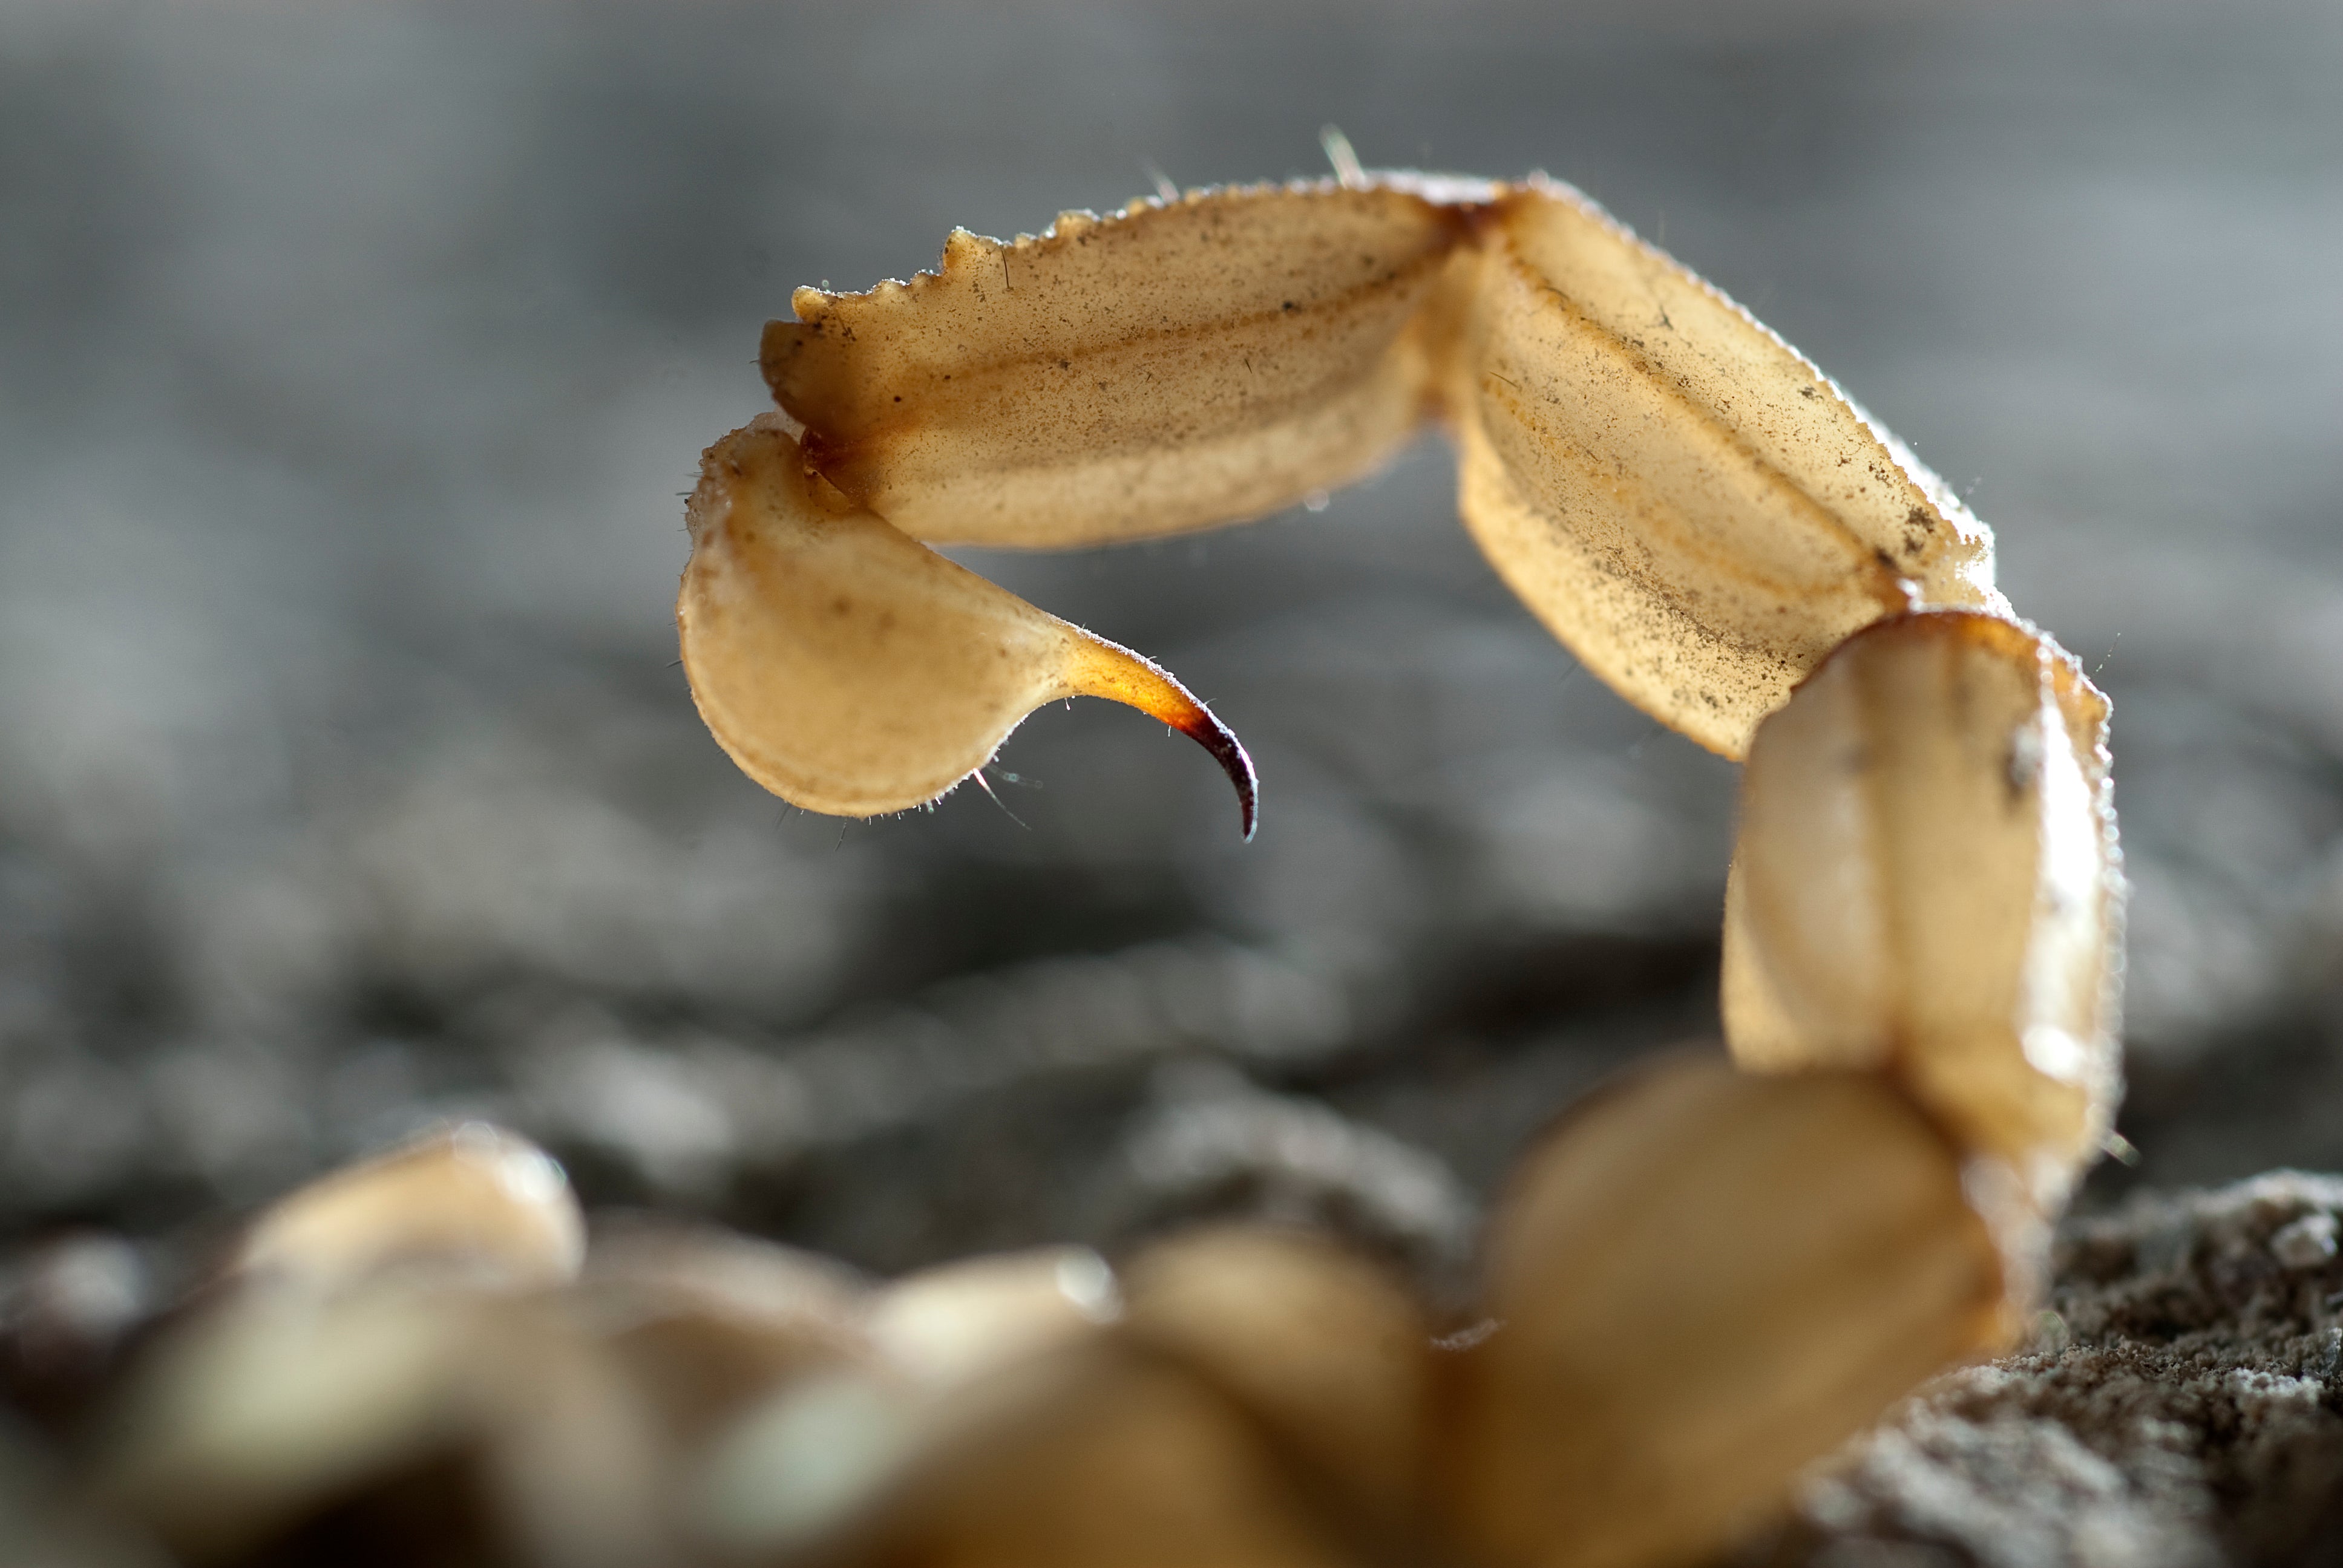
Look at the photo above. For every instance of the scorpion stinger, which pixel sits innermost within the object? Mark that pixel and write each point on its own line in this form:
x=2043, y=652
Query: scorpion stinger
x=1703, y=1277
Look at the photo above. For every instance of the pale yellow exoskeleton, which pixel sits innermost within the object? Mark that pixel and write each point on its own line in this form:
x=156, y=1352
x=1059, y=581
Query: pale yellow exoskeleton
x=1703, y=1277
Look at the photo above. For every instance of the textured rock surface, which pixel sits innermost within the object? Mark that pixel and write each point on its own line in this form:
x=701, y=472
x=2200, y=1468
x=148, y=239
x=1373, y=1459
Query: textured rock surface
x=2181, y=1406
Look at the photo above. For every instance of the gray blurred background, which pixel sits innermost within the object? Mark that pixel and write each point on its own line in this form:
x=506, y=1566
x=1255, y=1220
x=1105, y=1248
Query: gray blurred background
x=352, y=359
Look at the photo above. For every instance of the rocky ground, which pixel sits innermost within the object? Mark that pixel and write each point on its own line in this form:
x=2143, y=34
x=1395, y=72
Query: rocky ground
x=2178, y=1405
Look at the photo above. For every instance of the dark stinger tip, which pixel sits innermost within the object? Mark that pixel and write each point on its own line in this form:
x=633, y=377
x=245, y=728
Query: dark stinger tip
x=1217, y=739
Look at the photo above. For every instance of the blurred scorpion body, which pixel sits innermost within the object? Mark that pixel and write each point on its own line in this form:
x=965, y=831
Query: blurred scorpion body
x=1705, y=1277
